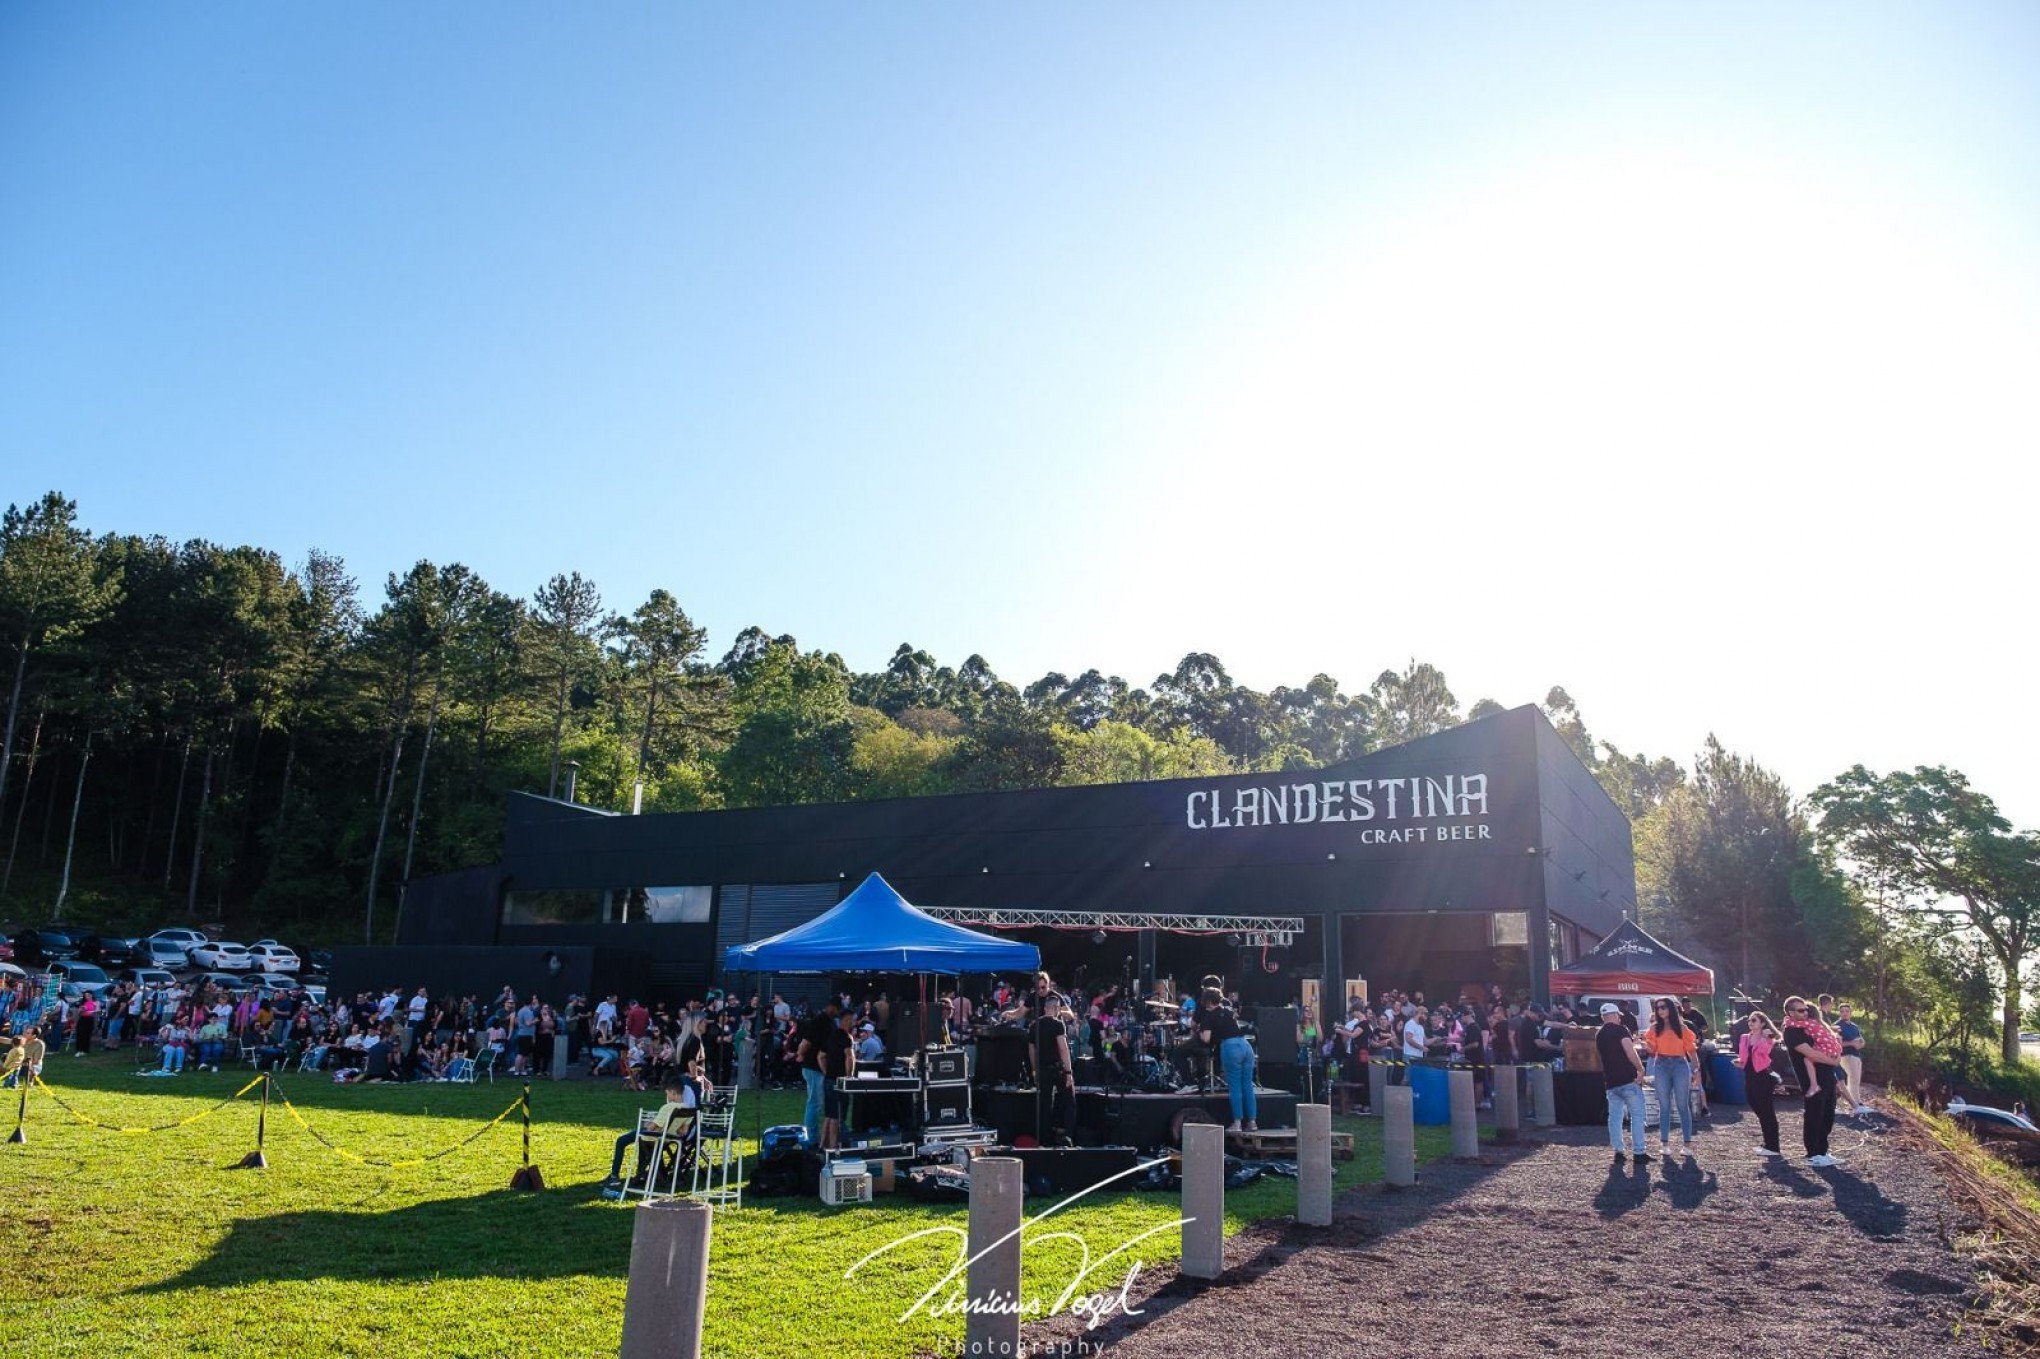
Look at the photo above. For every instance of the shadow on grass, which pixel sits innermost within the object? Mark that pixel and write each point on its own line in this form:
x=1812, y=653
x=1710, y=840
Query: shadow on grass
x=107, y=1083
x=555, y=1234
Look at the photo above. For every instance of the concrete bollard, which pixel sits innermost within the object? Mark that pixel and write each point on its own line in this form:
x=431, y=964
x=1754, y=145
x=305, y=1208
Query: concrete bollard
x=1203, y=1200
x=1543, y=1102
x=992, y=1330
x=1465, y=1126
x=1377, y=1081
x=1399, y=1136
x=668, y=1289
x=560, y=1053
x=1314, y=1165
x=1508, y=1105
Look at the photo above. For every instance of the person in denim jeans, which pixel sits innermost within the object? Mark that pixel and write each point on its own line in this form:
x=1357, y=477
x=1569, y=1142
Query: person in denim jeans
x=810, y=1058
x=1219, y=1027
x=1623, y=1072
x=1674, y=1058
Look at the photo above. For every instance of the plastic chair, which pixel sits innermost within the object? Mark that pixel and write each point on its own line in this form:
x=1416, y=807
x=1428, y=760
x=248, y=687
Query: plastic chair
x=718, y=1167
x=461, y=1071
x=663, y=1157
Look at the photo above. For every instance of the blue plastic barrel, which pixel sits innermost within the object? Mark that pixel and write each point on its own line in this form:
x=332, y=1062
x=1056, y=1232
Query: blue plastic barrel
x=1430, y=1094
x=1728, y=1080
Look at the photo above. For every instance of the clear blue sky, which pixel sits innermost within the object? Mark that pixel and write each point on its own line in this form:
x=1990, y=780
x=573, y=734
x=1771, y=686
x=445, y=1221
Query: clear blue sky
x=1679, y=354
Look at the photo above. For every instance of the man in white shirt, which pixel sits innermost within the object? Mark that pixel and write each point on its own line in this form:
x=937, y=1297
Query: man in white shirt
x=1414, y=1038
x=605, y=1013
x=388, y=1006
x=417, y=1010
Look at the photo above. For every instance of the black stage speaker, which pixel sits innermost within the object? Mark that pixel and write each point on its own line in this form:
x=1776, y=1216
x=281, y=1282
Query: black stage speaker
x=1580, y=1097
x=1275, y=1023
x=1002, y=1055
x=944, y=1066
x=1065, y=1170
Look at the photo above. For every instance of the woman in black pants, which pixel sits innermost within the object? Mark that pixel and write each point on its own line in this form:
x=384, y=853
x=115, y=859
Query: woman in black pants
x=1758, y=1055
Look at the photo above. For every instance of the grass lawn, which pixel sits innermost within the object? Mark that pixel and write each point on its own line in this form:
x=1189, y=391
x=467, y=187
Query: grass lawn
x=118, y=1244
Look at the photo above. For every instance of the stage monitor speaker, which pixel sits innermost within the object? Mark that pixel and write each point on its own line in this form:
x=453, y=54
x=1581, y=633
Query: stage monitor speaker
x=946, y=1106
x=1275, y=1022
x=945, y=1066
x=1066, y=1170
x=1002, y=1055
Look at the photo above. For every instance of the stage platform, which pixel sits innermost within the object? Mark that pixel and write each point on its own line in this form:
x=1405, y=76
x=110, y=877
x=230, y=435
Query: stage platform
x=1136, y=1119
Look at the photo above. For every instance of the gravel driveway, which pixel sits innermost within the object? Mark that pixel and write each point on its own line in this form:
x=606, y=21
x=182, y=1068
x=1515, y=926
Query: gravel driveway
x=1548, y=1248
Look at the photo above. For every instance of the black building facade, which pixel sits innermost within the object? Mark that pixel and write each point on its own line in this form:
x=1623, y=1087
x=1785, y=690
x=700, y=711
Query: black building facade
x=1483, y=853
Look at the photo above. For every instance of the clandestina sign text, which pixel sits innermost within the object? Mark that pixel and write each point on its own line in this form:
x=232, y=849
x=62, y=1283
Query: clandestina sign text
x=1429, y=810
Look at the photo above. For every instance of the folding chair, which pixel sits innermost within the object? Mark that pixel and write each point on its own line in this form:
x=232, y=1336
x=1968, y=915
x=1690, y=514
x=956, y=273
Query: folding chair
x=309, y=1059
x=663, y=1157
x=461, y=1071
x=485, y=1065
x=718, y=1167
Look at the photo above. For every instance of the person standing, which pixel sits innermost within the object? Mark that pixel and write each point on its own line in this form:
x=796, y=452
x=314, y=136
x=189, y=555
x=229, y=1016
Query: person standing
x=1674, y=1053
x=1851, y=1034
x=839, y=1063
x=1702, y=1030
x=813, y=1037
x=1220, y=1029
x=1817, y=1061
x=1054, y=1072
x=1756, y=1053
x=1622, y=1071
x=88, y=1019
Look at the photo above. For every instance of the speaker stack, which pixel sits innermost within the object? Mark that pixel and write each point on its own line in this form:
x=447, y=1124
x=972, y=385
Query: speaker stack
x=945, y=1089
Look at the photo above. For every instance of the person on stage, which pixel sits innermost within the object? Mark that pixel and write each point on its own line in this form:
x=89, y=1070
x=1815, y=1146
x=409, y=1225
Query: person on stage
x=1053, y=1068
x=1219, y=1028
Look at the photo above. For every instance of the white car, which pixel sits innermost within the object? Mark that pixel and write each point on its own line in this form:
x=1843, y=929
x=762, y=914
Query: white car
x=222, y=955
x=168, y=954
x=183, y=938
x=273, y=957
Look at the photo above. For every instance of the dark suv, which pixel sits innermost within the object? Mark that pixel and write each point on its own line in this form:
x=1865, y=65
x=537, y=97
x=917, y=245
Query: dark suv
x=39, y=948
x=108, y=951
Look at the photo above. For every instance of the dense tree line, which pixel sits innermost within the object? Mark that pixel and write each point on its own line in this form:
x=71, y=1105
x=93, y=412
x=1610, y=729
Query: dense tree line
x=210, y=730
x=206, y=728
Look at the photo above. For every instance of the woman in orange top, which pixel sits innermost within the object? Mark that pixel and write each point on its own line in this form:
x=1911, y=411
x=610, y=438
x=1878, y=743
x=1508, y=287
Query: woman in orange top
x=1674, y=1067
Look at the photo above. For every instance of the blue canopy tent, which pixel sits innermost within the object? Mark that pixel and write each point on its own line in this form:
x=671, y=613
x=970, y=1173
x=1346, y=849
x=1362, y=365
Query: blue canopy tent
x=875, y=929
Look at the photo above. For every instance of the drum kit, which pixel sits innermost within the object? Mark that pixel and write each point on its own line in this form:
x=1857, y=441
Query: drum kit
x=1167, y=1053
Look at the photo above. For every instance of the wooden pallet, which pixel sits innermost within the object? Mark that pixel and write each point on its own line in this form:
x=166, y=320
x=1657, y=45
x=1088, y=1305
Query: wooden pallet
x=1279, y=1144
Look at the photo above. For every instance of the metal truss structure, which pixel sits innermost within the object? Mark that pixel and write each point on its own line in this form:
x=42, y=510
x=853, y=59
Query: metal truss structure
x=1261, y=931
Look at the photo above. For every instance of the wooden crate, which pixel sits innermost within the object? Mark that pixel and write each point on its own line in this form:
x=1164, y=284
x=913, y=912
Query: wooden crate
x=1279, y=1144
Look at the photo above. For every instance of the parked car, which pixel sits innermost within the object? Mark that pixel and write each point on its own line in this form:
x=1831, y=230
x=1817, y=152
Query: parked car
x=226, y=981
x=222, y=955
x=2010, y=1133
x=163, y=953
x=186, y=939
x=6, y=951
x=147, y=978
x=41, y=947
x=10, y=970
x=271, y=956
x=86, y=976
x=321, y=959
x=109, y=952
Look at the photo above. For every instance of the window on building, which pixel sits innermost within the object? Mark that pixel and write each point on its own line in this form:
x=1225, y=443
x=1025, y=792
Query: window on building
x=571, y=906
x=671, y=905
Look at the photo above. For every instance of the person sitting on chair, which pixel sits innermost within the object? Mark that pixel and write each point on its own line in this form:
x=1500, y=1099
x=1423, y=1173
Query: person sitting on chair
x=681, y=1102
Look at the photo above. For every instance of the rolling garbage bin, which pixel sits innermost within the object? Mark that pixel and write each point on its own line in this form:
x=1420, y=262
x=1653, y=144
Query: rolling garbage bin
x=1430, y=1094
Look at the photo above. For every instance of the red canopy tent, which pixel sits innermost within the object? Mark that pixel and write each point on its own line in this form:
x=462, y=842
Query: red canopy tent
x=1630, y=962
